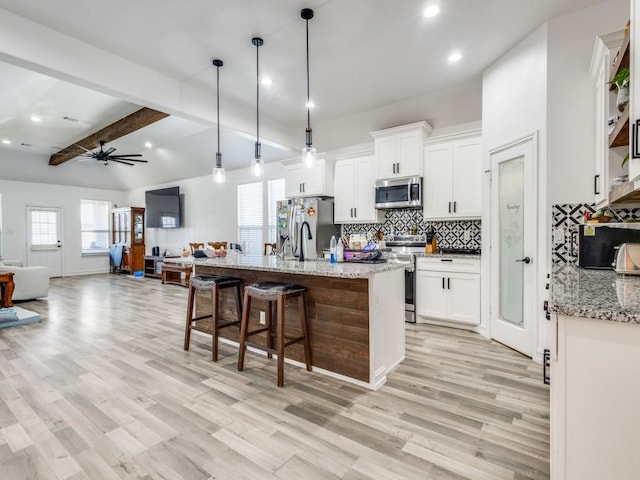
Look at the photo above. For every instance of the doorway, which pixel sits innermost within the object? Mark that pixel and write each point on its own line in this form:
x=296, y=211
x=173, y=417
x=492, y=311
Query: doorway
x=44, y=238
x=514, y=241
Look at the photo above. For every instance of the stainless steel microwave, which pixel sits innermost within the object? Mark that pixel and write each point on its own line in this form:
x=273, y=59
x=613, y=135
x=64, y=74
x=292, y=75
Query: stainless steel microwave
x=399, y=193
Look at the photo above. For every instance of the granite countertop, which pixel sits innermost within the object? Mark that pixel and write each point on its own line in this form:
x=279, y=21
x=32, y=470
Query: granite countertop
x=448, y=255
x=599, y=294
x=271, y=263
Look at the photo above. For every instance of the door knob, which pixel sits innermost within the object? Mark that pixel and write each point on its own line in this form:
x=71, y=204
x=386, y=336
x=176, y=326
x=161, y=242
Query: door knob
x=525, y=260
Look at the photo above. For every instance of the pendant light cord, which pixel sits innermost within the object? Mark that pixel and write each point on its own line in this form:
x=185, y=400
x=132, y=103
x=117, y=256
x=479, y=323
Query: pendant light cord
x=258, y=93
x=308, y=95
x=218, y=107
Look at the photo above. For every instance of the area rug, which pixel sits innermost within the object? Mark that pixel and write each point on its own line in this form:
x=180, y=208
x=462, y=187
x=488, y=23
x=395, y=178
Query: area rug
x=14, y=316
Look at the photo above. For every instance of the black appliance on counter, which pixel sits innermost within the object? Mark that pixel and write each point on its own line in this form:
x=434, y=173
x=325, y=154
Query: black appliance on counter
x=597, y=243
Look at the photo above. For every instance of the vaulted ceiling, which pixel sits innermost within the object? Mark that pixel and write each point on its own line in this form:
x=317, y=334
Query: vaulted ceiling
x=374, y=64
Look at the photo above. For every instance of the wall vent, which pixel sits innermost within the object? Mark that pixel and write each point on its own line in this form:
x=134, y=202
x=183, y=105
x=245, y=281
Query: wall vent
x=70, y=119
x=26, y=144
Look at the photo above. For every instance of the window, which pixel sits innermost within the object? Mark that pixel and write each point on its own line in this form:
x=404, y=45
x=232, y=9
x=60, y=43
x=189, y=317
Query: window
x=44, y=227
x=94, y=220
x=250, y=218
x=276, y=192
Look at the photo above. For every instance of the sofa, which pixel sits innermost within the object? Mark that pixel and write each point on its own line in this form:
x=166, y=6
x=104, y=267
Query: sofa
x=30, y=282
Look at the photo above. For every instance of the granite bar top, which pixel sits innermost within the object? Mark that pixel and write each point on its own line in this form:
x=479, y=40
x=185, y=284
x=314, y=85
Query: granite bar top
x=599, y=294
x=271, y=263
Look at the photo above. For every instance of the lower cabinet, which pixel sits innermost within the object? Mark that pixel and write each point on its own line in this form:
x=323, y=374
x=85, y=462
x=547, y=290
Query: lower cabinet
x=448, y=289
x=595, y=393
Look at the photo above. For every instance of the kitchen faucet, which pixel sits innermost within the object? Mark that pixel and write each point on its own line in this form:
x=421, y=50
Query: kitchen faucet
x=310, y=237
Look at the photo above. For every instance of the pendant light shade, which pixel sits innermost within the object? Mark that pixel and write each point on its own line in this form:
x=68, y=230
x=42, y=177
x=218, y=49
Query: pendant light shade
x=218, y=171
x=309, y=151
x=257, y=157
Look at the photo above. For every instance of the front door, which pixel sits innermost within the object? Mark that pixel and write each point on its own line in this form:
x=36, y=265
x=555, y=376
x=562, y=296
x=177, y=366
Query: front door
x=44, y=238
x=513, y=243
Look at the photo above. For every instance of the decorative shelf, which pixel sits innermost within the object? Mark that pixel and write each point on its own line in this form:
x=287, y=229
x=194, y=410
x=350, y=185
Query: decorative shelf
x=622, y=59
x=624, y=193
x=620, y=135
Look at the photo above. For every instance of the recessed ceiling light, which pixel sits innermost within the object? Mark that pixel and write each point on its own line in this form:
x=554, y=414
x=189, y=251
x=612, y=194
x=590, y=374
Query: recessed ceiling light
x=6, y=142
x=266, y=81
x=35, y=118
x=148, y=144
x=454, y=57
x=310, y=104
x=431, y=11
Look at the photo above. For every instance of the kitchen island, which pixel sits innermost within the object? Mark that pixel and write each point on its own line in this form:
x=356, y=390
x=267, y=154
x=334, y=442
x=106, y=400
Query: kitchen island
x=355, y=312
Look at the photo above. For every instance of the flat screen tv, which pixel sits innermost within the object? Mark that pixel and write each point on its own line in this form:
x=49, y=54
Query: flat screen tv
x=163, y=208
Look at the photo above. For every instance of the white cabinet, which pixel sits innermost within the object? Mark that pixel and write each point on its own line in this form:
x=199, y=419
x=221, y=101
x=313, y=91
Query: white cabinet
x=354, y=191
x=595, y=393
x=608, y=160
x=399, y=150
x=452, y=182
x=303, y=181
x=448, y=288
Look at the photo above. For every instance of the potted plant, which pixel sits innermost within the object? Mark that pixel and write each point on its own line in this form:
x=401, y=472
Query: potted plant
x=621, y=81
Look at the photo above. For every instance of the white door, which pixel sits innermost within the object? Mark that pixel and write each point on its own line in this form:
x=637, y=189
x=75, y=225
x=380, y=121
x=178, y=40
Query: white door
x=431, y=294
x=467, y=179
x=463, y=302
x=44, y=238
x=365, y=179
x=343, y=192
x=437, y=182
x=513, y=244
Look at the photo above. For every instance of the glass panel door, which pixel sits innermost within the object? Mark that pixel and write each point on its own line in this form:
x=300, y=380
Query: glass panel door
x=511, y=225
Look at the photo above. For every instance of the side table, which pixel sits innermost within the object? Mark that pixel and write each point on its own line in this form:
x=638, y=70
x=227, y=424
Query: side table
x=172, y=273
x=7, y=286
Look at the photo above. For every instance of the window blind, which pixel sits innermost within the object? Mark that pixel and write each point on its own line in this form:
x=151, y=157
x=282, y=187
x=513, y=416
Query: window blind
x=250, y=217
x=94, y=225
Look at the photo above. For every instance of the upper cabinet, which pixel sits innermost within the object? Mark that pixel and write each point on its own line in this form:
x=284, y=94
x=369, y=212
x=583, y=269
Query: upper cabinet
x=354, y=200
x=399, y=150
x=611, y=140
x=303, y=181
x=452, y=182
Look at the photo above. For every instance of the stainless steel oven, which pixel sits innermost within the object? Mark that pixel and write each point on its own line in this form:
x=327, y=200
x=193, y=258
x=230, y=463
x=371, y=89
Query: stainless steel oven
x=403, y=250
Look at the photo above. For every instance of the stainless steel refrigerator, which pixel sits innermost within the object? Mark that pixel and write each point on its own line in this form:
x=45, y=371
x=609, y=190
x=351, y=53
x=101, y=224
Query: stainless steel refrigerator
x=318, y=213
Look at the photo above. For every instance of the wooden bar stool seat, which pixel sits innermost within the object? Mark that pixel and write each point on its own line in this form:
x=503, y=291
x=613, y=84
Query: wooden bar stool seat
x=279, y=293
x=212, y=284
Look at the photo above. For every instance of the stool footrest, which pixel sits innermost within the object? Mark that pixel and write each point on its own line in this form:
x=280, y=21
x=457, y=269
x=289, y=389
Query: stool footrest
x=292, y=340
x=259, y=330
x=259, y=346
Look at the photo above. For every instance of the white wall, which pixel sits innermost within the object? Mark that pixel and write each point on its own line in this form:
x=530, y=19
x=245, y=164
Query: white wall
x=571, y=98
x=16, y=196
x=210, y=210
x=514, y=105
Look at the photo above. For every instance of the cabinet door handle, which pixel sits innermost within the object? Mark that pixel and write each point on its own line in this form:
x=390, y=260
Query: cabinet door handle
x=398, y=168
x=355, y=212
x=446, y=259
x=443, y=283
x=595, y=184
x=394, y=168
x=449, y=207
x=448, y=283
x=454, y=206
x=351, y=212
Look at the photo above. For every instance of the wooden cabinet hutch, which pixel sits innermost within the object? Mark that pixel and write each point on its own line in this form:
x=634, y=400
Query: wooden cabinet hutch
x=127, y=228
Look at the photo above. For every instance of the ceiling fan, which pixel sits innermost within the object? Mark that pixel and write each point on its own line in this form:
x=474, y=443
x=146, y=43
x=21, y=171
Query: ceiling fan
x=106, y=156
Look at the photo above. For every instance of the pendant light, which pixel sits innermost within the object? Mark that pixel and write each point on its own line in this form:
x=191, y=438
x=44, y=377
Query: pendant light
x=309, y=151
x=257, y=158
x=218, y=172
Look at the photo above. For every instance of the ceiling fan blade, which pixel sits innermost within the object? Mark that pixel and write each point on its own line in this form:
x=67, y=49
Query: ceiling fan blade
x=131, y=160
x=121, y=161
x=124, y=155
x=109, y=151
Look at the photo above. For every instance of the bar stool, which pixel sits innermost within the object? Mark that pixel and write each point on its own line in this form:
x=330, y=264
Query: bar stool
x=279, y=293
x=212, y=284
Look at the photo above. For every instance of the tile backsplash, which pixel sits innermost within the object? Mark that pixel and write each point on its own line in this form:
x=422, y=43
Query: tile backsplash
x=450, y=233
x=565, y=219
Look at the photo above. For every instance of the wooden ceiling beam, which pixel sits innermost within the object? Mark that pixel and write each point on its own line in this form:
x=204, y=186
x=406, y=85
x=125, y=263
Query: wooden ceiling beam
x=130, y=123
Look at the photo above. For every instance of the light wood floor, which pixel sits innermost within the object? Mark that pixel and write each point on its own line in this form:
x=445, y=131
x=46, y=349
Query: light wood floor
x=101, y=389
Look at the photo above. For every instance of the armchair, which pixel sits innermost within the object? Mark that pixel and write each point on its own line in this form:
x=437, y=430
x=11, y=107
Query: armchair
x=30, y=282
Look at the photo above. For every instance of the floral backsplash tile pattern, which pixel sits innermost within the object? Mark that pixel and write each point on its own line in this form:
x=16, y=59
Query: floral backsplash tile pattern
x=565, y=219
x=450, y=233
